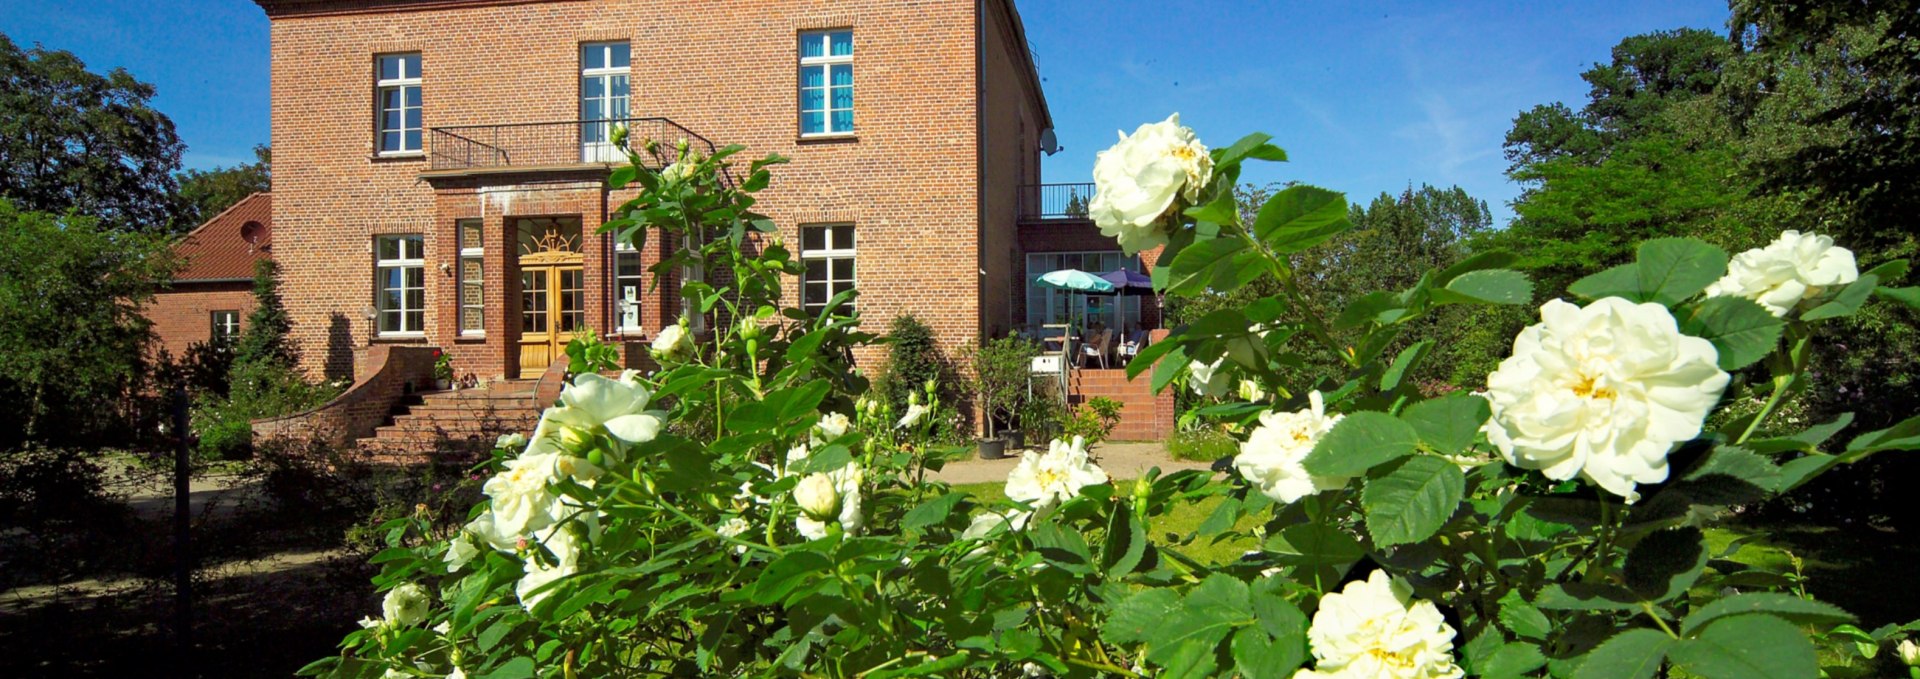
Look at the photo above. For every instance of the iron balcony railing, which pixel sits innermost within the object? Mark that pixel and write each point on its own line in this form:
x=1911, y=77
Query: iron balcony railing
x=1055, y=201
x=556, y=144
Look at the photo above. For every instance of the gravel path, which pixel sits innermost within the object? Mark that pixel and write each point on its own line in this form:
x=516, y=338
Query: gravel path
x=1121, y=460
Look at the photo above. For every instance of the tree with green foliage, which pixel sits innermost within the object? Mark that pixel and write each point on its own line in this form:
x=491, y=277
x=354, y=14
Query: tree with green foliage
x=265, y=340
x=70, y=296
x=205, y=193
x=71, y=139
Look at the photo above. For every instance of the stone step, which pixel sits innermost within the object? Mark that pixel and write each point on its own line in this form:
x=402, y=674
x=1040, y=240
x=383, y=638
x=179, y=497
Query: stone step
x=496, y=410
x=460, y=428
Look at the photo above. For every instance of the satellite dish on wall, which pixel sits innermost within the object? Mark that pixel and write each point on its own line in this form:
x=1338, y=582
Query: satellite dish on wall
x=1048, y=143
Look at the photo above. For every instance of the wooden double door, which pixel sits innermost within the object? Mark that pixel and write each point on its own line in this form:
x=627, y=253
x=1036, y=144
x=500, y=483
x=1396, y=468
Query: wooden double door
x=553, y=309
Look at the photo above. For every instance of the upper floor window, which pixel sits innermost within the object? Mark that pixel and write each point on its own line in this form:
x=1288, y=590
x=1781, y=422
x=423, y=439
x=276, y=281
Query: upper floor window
x=398, y=90
x=604, y=67
x=399, y=265
x=826, y=83
x=828, y=253
x=226, y=326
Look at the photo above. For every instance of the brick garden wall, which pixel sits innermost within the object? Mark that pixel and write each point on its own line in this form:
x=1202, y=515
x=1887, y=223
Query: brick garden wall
x=909, y=180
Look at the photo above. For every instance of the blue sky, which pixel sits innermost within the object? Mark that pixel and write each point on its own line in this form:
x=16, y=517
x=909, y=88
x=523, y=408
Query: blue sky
x=1365, y=96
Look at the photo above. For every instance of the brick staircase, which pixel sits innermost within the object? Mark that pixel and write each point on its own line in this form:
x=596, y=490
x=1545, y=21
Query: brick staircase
x=1144, y=416
x=428, y=424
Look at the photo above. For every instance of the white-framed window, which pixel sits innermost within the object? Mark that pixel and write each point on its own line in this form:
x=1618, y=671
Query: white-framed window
x=604, y=68
x=826, y=83
x=1049, y=306
x=398, y=89
x=401, y=279
x=226, y=326
x=827, y=251
x=473, y=268
x=628, y=278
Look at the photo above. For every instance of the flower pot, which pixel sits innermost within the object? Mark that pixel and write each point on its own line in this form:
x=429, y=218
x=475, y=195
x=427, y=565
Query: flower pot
x=993, y=449
x=443, y=385
x=1017, y=440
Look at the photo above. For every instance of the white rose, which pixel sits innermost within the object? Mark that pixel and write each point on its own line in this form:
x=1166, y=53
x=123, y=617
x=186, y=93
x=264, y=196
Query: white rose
x=460, y=550
x=1207, y=379
x=521, y=496
x=1047, y=479
x=593, y=403
x=1374, y=628
x=1138, y=180
x=457, y=673
x=733, y=528
x=833, y=496
x=914, y=413
x=513, y=441
x=405, y=605
x=1274, y=455
x=832, y=426
x=538, y=570
x=673, y=343
x=1251, y=391
x=1793, y=268
x=1602, y=391
x=1909, y=652
x=370, y=622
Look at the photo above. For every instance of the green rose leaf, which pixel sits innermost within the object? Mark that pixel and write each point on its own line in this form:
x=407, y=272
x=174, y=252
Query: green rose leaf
x=1489, y=286
x=1374, y=307
x=786, y=573
x=1751, y=646
x=1666, y=563
x=1448, y=424
x=1807, y=441
x=1361, y=441
x=518, y=668
x=1195, y=266
x=1522, y=618
x=1909, y=296
x=1633, y=654
x=931, y=512
x=1412, y=501
x=1784, y=605
x=1741, y=331
x=1847, y=302
x=1513, y=660
x=1671, y=270
x=1582, y=596
x=1301, y=217
x=1205, y=616
x=1407, y=359
x=1619, y=281
x=1137, y=617
x=1251, y=146
x=1315, y=544
x=1258, y=656
x=1902, y=436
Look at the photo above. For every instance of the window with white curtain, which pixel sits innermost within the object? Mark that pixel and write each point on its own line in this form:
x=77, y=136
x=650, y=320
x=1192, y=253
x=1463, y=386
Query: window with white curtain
x=401, y=277
x=826, y=83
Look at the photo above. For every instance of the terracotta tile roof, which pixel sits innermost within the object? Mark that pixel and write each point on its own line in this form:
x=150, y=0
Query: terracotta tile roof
x=226, y=246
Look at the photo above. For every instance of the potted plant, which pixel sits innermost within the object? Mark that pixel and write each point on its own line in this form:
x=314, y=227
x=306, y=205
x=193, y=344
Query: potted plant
x=1039, y=417
x=442, y=370
x=999, y=384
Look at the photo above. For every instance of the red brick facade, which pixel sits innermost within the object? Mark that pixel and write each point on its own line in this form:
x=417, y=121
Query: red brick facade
x=948, y=116
x=216, y=276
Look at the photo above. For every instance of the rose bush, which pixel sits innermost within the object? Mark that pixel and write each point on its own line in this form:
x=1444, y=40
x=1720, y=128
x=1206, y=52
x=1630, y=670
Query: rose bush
x=746, y=511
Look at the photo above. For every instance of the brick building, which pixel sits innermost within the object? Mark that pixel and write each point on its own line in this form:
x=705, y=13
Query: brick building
x=440, y=165
x=213, y=293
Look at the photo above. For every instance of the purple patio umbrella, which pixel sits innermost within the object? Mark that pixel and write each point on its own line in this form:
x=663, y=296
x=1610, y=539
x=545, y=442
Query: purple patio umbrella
x=1126, y=284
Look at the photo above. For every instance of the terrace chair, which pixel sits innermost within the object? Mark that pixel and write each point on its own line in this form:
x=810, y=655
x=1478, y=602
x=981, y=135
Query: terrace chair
x=1097, y=348
x=1133, y=345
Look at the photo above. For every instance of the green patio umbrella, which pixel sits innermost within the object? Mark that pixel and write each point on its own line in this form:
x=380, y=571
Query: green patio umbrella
x=1075, y=280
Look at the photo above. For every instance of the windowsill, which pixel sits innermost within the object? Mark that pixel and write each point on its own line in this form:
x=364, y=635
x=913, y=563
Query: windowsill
x=470, y=337
x=829, y=138
x=398, y=156
x=400, y=337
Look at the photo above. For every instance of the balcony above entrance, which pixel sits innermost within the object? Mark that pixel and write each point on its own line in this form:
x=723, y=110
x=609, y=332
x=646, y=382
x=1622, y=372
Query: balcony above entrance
x=1055, y=203
x=559, y=146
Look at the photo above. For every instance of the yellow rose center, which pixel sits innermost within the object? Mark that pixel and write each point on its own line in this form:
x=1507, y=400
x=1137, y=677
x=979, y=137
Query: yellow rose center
x=1587, y=387
x=1050, y=479
x=1399, y=661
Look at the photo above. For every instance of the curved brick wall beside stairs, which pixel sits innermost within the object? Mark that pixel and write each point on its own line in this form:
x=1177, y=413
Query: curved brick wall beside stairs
x=390, y=372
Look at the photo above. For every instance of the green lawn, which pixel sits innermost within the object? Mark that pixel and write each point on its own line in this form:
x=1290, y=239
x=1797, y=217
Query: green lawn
x=1182, y=521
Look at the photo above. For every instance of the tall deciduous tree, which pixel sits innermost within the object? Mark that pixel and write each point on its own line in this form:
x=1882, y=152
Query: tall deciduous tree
x=72, y=139
x=204, y=193
x=70, y=293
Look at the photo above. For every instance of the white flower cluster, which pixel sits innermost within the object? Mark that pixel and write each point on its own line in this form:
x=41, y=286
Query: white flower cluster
x=404, y=606
x=1043, y=481
x=1274, y=456
x=822, y=497
x=1374, y=628
x=1794, y=268
x=1139, y=179
x=525, y=506
x=674, y=344
x=1602, y=392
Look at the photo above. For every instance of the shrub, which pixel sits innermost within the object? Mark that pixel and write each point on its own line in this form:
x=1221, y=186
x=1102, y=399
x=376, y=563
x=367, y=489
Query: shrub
x=913, y=358
x=1000, y=368
x=797, y=540
x=1202, y=445
x=1093, y=421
